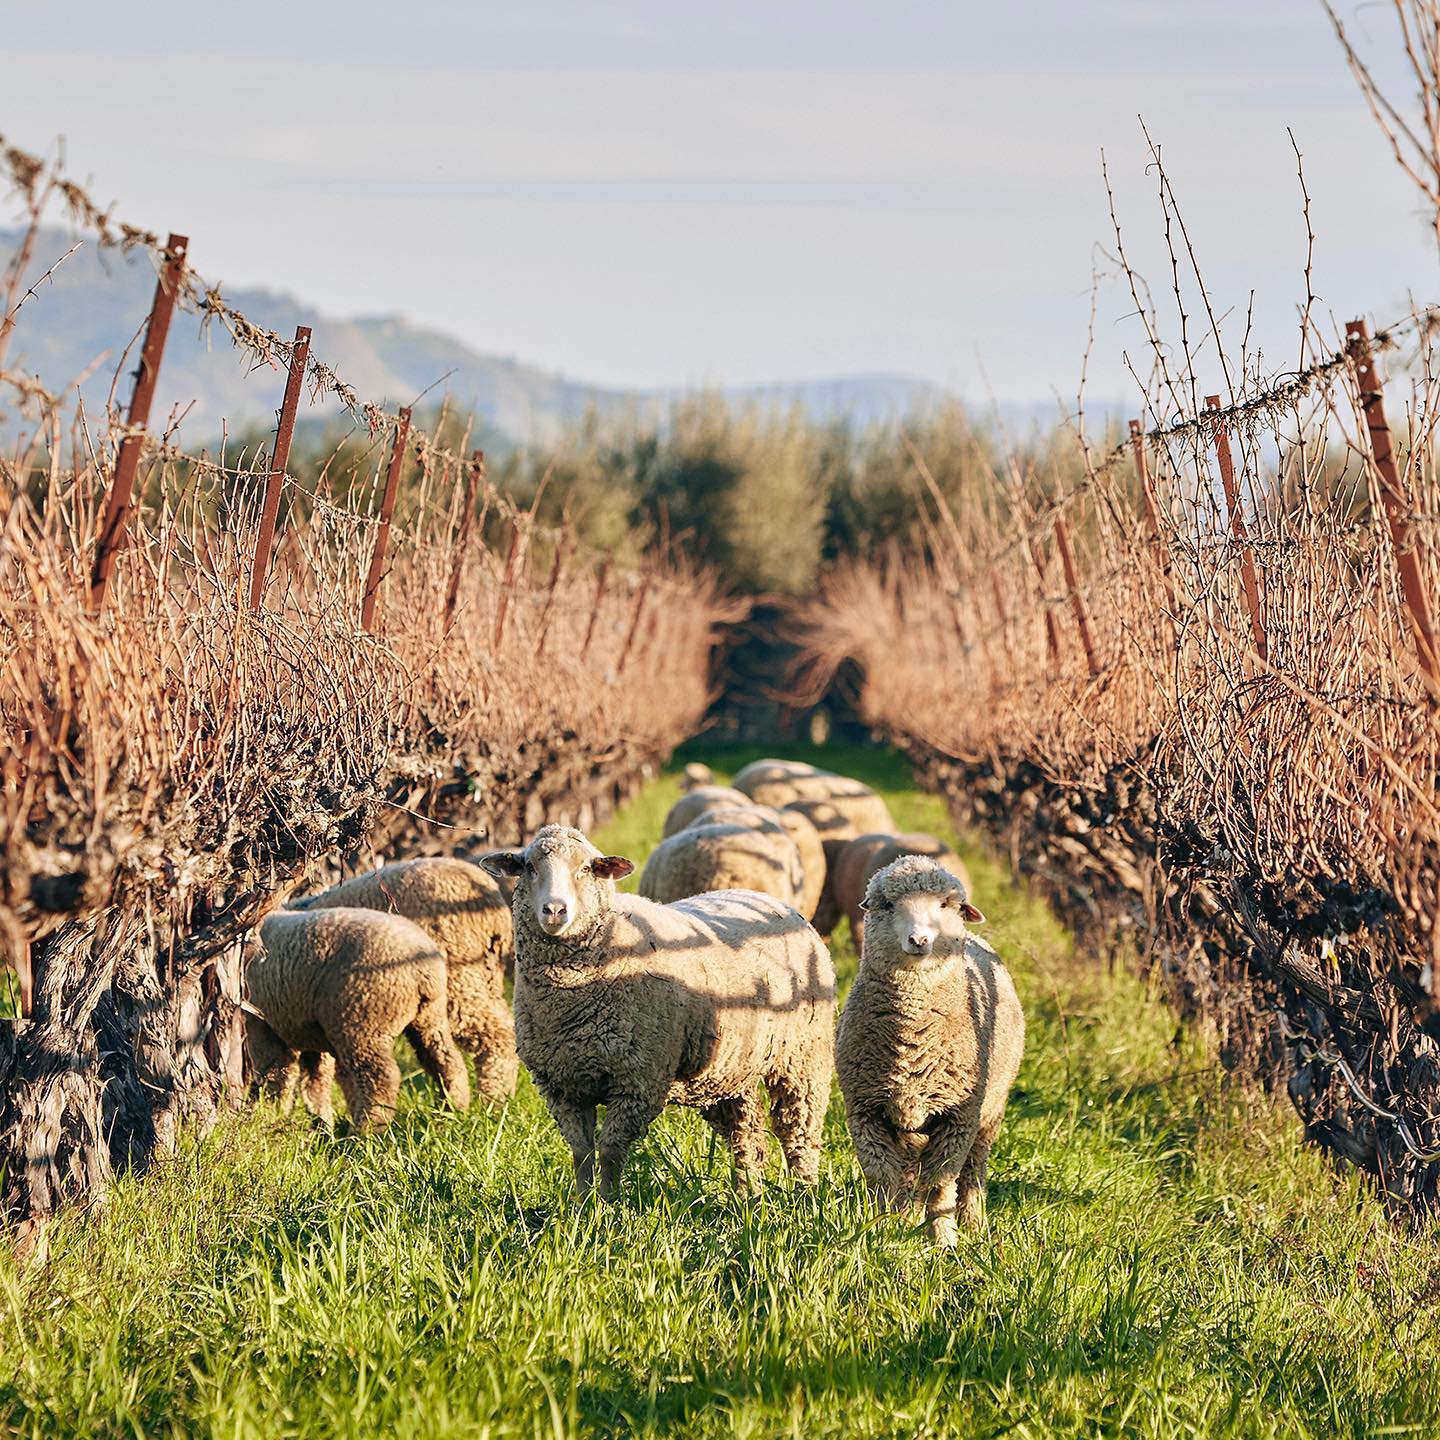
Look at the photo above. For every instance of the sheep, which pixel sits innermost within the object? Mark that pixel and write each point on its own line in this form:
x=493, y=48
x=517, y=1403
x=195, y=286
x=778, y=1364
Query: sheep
x=759, y=772
x=750, y=851
x=800, y=830
x=695, y=802
x=633, y=1005
x=863, y=856
x=465, y=913
x=835, y=829
x=928, y=1047
x=348, y=982
x=696, y=775
x=859, y=804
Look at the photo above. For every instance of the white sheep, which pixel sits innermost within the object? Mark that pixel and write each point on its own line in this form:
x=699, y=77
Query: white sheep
x=696, y=802
x=749, y=851
x=929, y=1045
x=632, y=1005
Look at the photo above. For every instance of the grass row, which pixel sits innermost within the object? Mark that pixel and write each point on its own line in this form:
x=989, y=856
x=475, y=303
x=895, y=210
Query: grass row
x=1163, y=1259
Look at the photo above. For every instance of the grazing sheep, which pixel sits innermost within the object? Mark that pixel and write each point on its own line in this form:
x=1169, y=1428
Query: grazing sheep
x=695, y=776
x=800, y=830
x=751, y=851
x=835, y=830
x=928, y=1047
x=694, y=803
x=348, y=982
x=632, y=1005
x=760, y=772
x=863, y=856
x=464, y=912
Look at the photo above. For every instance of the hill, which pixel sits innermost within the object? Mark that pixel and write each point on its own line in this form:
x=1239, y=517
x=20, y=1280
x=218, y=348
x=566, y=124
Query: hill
x=79, y=324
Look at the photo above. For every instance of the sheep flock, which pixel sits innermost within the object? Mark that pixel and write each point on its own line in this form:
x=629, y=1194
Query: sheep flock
x=712, y=989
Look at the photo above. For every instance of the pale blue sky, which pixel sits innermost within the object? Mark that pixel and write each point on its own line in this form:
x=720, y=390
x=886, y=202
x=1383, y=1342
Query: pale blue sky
x=649, y=193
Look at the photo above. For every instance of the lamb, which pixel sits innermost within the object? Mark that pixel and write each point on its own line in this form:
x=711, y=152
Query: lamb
x=929, y=1045
x=633, y=1005
x=863, y=856
x=464, y=912
x=348, y=982
x=696, y=801
x=750, y=851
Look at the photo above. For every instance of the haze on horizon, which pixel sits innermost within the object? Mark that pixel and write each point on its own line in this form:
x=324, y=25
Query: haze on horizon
x=640, y=194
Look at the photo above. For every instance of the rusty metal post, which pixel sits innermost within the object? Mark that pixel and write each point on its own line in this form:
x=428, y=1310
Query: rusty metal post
x=117, y=508
x=562, y=547
x=1077, y=601
x=279, y=461
x=1392, y=493
x=387, y=509
x=1241, y=534
x=1052, y=626
x=517, y=526
x=599, y=597
x=1152, y=509
x=475, y=477
x=645, y=585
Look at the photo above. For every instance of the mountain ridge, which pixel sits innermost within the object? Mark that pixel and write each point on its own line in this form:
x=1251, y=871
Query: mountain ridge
x=87, y=313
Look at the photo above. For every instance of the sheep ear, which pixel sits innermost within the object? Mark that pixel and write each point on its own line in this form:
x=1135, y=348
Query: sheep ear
x=503, y=864
x=972, y=913
x=612, y=867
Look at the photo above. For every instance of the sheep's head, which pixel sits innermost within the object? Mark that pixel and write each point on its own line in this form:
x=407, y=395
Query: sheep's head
x=564, y=882
x=915, y=911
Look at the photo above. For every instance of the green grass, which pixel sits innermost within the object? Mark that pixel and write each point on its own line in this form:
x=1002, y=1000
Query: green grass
x=1163, y=1259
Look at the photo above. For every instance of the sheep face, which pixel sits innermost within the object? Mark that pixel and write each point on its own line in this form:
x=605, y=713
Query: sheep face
x=561, y=878
x=915, y=912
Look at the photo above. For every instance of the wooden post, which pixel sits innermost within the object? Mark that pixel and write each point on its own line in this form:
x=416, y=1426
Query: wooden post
x=1152, y=509
x=562, y=547
x=1392, y=493
x=279, y=461
x=1052, y=626
x=517, y=526
x=117, y=508
x=599, y=597
x=645, y=585
x=474, y=479
x=1237, y=528
x=387, y=509
x=1077, y=601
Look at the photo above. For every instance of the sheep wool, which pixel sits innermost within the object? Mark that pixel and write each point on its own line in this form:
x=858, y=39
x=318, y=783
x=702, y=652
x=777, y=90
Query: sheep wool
x=698, y=801
x=749, y=852
x=348, y=983
x=464, y=912
x=626, y=1003
x=928, y=1047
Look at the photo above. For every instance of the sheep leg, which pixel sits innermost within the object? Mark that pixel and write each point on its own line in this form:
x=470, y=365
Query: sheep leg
x=317, y=1080
x=627, y=1118
x=489, y=1036
x=577, y=1127
x=797, y=1112
x=429, y=1033
x=275, y=1065
x=370, y=1081
x=741, y=1122
x=881, y=1160
x=945, y=1160
x=972, y=1180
